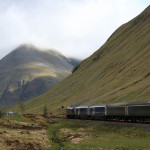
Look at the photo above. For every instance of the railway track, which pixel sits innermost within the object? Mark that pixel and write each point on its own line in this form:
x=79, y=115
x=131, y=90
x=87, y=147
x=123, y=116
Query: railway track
x=118, y=124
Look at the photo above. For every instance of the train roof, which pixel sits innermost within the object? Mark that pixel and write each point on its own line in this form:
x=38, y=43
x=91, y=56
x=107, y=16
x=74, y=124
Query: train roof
x=117, y=104
x=102, y=105
x=82, y=107
x=70, y=107
x=139, y=103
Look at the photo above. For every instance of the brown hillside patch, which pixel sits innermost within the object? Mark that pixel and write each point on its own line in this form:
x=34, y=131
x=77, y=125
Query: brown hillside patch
x=74, y=137
x=18, y=139
x=21, y=125
x=22, y=135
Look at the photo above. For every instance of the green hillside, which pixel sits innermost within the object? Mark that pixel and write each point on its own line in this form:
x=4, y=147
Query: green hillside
x=117, y=72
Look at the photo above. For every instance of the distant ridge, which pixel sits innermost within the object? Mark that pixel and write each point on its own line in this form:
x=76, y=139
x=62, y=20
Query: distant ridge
x=118, y=72
x=28, y=72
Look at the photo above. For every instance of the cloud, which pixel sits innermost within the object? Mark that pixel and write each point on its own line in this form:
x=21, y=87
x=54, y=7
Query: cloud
x=76, y=28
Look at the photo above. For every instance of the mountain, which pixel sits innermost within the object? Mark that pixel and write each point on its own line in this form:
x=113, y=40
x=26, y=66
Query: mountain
x=117, y=72
x=28, y=72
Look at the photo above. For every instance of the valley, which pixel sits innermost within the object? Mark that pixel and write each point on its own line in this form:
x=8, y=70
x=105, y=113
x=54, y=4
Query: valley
x=117, y=72
x=37, y=86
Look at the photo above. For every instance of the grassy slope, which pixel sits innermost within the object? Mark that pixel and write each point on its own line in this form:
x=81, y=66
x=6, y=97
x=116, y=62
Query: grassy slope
x=118, y=72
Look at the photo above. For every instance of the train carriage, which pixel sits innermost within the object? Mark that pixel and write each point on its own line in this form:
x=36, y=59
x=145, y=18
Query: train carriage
x=81, y=112
x=97, y=112
x=133, y=111
x=70, y=112
x=116, y=111
x=139, y=111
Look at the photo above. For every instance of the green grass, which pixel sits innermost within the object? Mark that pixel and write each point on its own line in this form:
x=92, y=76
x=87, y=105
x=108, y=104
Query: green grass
x=15, y=117
x=56, y=137
x=113, y=141
x=18, y=118
x=100, y=137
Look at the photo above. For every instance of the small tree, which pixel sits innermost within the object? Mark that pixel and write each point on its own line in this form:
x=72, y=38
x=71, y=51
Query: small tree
x=45, y=111
x=1, y=114
x=22, y=107
x=75, y=68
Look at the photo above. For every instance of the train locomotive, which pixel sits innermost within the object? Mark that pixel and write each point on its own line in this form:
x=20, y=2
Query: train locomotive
x=133, y=111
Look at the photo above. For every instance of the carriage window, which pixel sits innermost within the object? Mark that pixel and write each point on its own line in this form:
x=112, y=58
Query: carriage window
x=99, y=109
x=83, y=110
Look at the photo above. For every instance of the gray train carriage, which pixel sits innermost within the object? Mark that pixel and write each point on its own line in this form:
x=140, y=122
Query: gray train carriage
x=97, y=112
x=116, y=112
x=70, y=111
x=139, y=111
x=81, y=112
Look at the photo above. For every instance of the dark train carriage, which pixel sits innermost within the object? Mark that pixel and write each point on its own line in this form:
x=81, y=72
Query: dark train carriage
x=97, y=112
x=70, y=111
x=116, y=111
x=139, y=111
x=81, y=112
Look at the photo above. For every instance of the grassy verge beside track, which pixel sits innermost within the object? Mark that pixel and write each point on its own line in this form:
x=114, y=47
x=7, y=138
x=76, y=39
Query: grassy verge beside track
x=73, y=136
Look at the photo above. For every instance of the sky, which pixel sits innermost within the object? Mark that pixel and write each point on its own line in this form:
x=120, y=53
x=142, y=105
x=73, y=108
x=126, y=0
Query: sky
x=76, y=28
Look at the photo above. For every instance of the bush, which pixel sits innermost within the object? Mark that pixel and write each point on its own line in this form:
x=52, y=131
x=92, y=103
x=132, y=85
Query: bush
x=76, y=68
x=45, y=111
x=1, y=114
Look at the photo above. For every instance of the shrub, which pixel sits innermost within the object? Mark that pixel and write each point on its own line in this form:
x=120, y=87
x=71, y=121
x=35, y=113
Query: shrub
x=45, y=111
x=1, y=114
x=76, y=68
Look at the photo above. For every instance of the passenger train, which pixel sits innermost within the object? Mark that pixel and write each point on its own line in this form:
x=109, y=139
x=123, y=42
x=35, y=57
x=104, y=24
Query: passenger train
x=133, y=111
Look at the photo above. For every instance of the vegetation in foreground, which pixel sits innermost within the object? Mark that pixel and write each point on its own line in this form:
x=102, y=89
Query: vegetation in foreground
x=20, y=133
x=37, y=132
x=75, y=136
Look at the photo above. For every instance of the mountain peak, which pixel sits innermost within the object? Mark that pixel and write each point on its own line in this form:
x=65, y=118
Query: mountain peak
x=26, y=47
x=33, y=48
x=27, y=72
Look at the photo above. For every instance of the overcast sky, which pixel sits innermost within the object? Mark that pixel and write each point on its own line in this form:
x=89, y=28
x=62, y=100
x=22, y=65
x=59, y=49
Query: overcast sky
x=76, y=28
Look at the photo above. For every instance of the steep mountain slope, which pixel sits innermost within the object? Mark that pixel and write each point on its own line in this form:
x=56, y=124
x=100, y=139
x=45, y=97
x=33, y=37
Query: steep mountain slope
x=28, y=72
x=118, y=72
